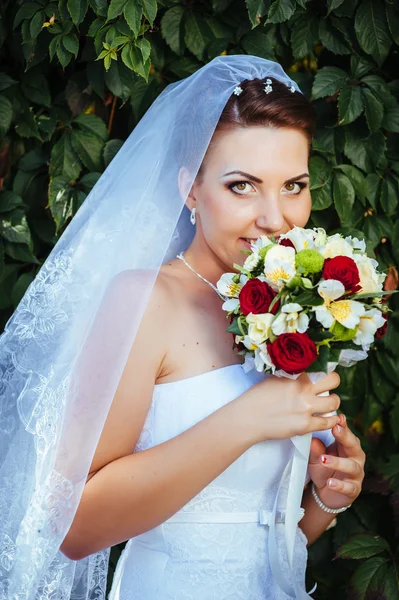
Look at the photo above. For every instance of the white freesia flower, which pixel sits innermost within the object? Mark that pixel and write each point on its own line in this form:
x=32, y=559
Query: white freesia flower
x=261, y=242
x=279, y=266
x=251, y=261
x=370, y=280
x=320, y=237
x=336, y=246
x=348, y=358
x=259, y=327
x=227, y=287
x=290, y=320
x=246, y=340
x=356, y=243
x=346, y=312
x=262, y=359
x=302, y=239
x=368, y=325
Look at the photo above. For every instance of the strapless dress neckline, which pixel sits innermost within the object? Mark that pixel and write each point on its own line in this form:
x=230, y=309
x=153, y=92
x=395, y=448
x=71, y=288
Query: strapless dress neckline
x=204, y=374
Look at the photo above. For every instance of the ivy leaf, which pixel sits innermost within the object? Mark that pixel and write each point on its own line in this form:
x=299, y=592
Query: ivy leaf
x=197, y=35
x=256, y=10
x=332, y=39
x=27, y=11
x=71, y=43
x=258, y=43
x=350, y=103
x=393, y=20
x=328, y=81
x=77, y=9
x=150, y=9
x=281, y=10
x=304, y=33
x=64, y=160
x=357, y=179
x=133, y=12
x=89, y=149
x=14, y=227
x=362, y=545
x=115, y=9
x=61, y=196
x=5, y=115
x=389, y=196
x=319, y=171
x=372, y=31
x=92, y=123
x=374, y=109
x=322, y=197
x=344, y=196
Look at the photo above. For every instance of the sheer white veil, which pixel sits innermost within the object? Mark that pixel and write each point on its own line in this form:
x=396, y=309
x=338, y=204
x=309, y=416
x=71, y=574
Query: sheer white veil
x=65, y=347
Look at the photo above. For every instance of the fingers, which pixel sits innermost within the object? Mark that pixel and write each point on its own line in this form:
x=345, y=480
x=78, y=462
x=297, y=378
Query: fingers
x=349, y=466
x=327, y=383
x=351, y=489
x=350, y=442
x=325, y=404
x=321, y=423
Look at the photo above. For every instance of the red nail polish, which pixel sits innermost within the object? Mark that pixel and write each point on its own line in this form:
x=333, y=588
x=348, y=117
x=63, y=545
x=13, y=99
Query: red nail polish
x=324, y=459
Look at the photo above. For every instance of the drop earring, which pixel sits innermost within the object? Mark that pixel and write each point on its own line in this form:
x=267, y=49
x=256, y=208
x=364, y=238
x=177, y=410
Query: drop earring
x=192, y=217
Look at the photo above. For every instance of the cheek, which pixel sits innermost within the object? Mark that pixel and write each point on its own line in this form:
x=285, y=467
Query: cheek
x=298, y=211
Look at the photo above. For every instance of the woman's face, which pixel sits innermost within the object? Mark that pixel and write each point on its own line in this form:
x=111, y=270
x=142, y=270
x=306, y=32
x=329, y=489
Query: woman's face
x=268, y=197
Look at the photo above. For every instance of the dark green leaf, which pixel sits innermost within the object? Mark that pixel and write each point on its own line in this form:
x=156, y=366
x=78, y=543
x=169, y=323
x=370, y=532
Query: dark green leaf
x=27, y=11
x=115, y=9
x=92, y=123
x=374, y=109
x=393, y=20
x=77, y=9
x=372, y=29
x=332, y=39
x=133, y=12
x=322, y=197
x=89, y=149
x=21, y=286
x=71, y=43
x=64, y=160
x=320, y=172
x=344, y=196
x=321, y=362
x=9, y=201
x=357, y=179
x=362, y=545
x=394, y=418
x=280, y=11
x=350, y=103
x=256, y=10
x=258, y=43
x=14, y=227
x=61, y=196
x=150, y=9
x=5, y=115
x=197, y=35
x=389, y=196
x=328, y=81
x=304, y=33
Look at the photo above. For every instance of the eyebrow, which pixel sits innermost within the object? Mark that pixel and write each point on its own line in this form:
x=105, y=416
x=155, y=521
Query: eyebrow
x=257, y=180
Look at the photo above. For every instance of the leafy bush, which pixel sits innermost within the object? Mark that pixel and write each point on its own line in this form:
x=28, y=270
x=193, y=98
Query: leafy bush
x=76, y=77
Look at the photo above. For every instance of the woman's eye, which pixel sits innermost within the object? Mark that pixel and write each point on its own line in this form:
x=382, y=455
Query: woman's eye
x=293, y=191
x=240, y=185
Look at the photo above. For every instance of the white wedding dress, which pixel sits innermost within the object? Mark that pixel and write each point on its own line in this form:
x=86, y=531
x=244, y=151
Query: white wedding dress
x=215, y=547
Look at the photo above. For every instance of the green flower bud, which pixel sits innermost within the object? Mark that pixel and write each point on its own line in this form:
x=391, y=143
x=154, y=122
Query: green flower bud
x=341, y=333
x=311, y=261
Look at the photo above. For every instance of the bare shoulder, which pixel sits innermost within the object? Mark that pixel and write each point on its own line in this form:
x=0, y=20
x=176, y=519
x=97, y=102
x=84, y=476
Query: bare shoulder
x=140, y=295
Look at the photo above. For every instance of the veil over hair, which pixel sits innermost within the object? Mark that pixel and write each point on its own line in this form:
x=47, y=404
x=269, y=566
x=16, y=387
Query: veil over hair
x=64, y=349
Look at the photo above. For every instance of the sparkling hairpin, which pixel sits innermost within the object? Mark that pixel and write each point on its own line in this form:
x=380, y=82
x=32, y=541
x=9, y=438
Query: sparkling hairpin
x=291, y=88
x=237, y=90
x=268, y=87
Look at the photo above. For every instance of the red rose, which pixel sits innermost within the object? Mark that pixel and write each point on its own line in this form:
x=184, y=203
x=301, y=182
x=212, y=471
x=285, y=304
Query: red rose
x=256, y=296
x=343, y=269
x=292, y=352
x=383, y=329
x=286, y=242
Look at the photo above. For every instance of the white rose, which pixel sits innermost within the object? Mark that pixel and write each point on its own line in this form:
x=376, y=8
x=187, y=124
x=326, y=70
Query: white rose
x=370, y=280
x=336, y=246
x=259, y=327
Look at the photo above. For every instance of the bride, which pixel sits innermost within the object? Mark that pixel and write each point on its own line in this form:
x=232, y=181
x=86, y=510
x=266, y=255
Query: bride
x=189, y=459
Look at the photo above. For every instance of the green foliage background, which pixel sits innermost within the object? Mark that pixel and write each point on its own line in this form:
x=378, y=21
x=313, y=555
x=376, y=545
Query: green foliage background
x=75, y=78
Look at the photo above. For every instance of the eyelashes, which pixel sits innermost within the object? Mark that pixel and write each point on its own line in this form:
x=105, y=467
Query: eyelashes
x=301, y=185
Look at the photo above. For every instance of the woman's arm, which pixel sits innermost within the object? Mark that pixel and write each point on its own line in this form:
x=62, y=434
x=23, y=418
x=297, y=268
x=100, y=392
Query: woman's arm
x=138, y=492
x=315, y=520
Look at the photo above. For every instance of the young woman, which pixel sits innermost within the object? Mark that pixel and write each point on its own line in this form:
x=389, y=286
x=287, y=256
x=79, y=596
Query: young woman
x=193, y=449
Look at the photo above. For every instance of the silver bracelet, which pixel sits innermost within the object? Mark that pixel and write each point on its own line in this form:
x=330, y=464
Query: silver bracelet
x=323, y=506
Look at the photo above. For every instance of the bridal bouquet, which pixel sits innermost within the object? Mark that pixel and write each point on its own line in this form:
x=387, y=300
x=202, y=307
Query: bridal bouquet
x=304, y=301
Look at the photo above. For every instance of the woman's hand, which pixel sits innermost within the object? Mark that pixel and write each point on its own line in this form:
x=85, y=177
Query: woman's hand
x=342, y=463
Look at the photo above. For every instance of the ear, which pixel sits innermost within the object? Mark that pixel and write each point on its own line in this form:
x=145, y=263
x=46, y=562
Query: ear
x=186, y=190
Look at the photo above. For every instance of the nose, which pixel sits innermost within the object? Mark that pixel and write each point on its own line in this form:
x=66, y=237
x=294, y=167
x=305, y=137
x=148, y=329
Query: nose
x=270, y=217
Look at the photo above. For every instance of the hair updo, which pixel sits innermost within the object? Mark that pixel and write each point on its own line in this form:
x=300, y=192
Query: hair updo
x=279, y=108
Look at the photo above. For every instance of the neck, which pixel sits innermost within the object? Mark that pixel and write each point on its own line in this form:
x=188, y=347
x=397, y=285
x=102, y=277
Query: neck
x=203, y=260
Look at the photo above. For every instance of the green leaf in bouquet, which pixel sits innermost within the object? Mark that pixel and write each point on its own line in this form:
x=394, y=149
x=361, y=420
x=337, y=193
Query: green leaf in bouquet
x=372, y=294
x=341, y=333
x=321, y=362
x=233, y=328
x=309, y=299
x=318, y=335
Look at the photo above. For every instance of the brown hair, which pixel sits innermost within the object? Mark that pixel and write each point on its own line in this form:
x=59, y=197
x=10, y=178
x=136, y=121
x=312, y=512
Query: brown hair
x=279, y=108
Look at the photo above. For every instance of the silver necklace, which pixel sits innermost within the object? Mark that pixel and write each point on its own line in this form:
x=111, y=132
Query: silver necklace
x=200, y=276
